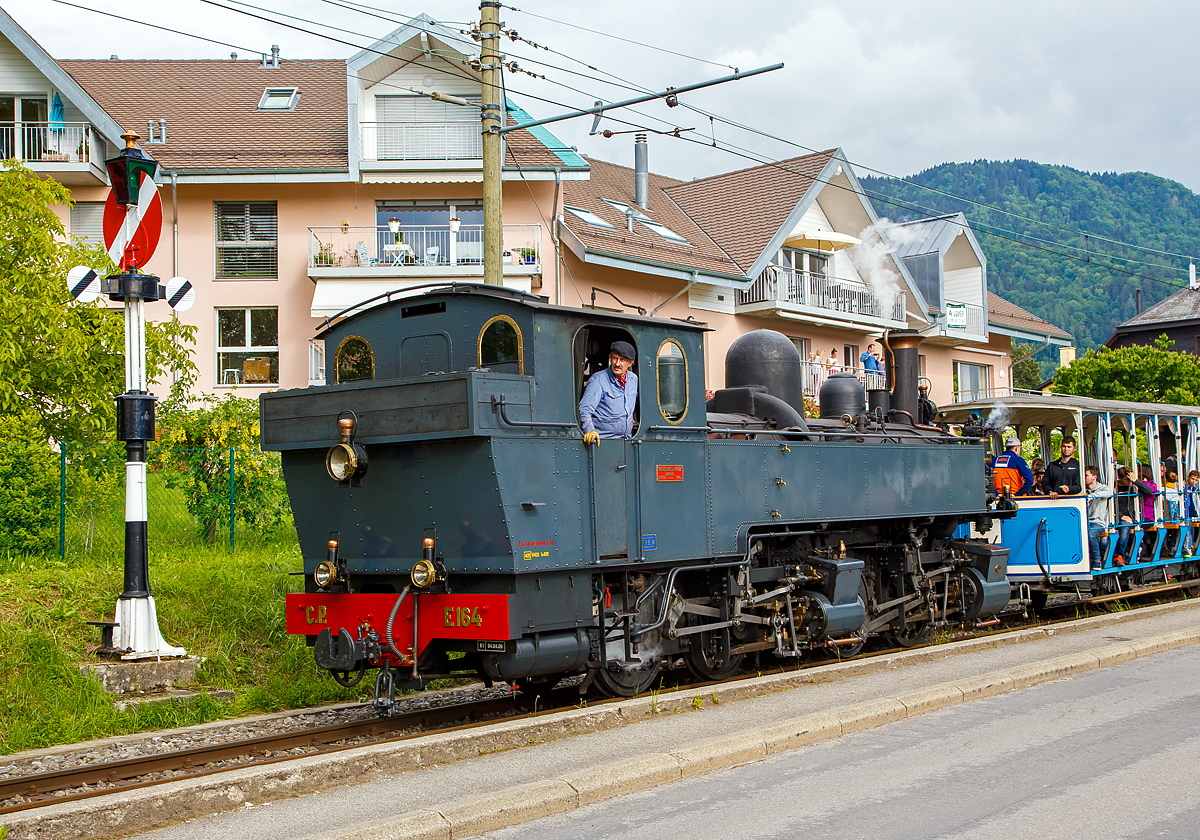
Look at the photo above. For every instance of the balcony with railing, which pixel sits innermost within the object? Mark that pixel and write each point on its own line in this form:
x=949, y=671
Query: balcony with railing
x=69, y=152
x=417, y=251
x=793, y=294
x=408, y=145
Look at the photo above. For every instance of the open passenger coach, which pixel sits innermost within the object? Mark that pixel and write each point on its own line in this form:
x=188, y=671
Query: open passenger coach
x=451, y=518
x=1048, y=538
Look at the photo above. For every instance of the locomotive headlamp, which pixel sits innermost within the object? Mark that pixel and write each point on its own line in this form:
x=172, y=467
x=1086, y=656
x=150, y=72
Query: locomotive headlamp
x=330, y=570
x=426, y=571
x=325, y=574
x=341, y=461
x=424, y=574
x=346, y=462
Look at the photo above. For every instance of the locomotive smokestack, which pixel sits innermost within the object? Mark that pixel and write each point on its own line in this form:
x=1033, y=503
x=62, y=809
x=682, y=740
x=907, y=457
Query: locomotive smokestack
x=904, y=369
x=641, y=171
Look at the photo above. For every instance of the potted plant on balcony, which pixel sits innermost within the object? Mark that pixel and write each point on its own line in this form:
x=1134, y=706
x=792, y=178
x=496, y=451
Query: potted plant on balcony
x=394, y=227
x=455, y=223
x=528, y=256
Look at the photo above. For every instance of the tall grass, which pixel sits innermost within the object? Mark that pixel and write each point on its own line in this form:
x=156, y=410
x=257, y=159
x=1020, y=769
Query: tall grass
x=226, y=608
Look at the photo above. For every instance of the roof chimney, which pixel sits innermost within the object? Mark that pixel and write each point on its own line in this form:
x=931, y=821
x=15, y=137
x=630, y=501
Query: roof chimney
x=641, y=172
x=233, y=56
x=274, y=55
x=1137, y=301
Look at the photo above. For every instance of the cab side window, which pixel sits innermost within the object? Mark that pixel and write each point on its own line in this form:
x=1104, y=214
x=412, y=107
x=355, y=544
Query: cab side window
x=354, y=360
x=500, y=346
x=671, y=369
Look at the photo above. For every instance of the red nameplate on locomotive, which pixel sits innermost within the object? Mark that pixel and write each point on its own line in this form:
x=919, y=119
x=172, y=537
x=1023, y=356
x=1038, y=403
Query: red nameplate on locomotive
x=670, y=472
x=456, y=616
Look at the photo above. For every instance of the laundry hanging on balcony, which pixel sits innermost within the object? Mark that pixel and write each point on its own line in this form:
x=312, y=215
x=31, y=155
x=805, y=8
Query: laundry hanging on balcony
x=56, y=125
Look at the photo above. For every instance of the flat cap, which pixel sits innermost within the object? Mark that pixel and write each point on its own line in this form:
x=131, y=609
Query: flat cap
x=623, y=349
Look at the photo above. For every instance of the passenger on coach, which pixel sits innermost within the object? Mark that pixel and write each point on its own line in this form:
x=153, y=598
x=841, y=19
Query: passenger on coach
x=1147, y=491
x=1038, y=468
x=1191, y=509
x=1172, y=509
x=1062, y=476
x=1097, y=509
x=1009, y=470
x=610, y=397
x=1128, y=513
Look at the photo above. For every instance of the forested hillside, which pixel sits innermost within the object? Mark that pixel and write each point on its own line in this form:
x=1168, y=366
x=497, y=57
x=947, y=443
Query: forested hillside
x=1086, y=292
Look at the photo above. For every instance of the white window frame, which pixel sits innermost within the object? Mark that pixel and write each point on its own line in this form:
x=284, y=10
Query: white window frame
x=247, y=348
x=248, y=242
x=293, y=94
x=663, y=231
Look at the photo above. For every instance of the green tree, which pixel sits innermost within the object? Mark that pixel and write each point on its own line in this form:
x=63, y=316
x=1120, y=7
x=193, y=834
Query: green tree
x=194, y=447
x=1026, y=370
x=1152, y=374
x=60, y=359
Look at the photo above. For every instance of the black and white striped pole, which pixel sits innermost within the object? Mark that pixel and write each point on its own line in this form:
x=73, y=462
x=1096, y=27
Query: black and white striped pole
x=132, y=229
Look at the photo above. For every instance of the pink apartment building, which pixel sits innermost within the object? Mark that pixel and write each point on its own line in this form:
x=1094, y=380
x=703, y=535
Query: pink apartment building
x=293, y=190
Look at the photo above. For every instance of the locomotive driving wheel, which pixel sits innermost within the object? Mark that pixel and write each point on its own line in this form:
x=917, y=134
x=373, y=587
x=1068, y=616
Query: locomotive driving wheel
x=627, y=680
x=913, y=634
x=708, y=657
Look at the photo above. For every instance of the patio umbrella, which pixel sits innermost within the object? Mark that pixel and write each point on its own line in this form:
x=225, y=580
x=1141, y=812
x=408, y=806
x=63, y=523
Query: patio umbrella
x=56, y=119
x=821, y=240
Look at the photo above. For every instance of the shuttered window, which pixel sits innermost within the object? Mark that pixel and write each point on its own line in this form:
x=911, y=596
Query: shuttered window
x=87, y=221
x=247, y=240
x=418, y=128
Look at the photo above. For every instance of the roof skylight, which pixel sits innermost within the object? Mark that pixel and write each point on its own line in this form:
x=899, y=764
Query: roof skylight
x=663, y=231
x=588, y=216
x=625, y=209
x=278, y=99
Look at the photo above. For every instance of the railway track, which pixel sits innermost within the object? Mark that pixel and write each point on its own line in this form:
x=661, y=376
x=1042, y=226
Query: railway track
x=99, y=779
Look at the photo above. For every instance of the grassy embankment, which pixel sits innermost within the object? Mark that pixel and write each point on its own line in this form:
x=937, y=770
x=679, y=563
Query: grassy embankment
x=226, y=607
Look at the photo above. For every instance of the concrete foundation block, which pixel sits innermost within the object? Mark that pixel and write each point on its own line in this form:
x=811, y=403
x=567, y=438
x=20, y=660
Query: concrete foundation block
x=168, y=695
x=739, y=748
x=801, y=731
x=131, y=677
x=624, y=777
x=509, y=807
x=870, y=714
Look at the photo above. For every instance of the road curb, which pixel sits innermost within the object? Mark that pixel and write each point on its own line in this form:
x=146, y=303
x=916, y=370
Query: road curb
x=751, y=745
x=130, y=812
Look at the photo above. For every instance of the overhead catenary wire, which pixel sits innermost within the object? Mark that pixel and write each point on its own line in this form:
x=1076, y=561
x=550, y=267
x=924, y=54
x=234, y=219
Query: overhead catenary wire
x=735, y=124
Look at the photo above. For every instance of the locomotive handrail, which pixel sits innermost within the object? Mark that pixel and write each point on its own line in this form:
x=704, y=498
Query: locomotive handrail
x=500, y=405
x=669, y=588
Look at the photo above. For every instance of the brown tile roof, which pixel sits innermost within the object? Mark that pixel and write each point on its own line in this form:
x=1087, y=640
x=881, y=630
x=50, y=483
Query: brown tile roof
x=211, y=109
x=614, y=182
x=764, y=196
x=1007, y=314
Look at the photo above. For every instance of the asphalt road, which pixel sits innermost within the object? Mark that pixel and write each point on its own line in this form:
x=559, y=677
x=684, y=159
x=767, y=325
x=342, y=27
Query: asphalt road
x=1113, y=753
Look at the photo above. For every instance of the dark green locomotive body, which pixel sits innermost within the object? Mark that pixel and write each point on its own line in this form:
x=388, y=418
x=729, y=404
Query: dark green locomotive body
x=464, y=407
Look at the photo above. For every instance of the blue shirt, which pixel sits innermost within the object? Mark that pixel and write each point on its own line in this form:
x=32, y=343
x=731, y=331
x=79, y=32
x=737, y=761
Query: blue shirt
x=606, y=407
x=870, y=363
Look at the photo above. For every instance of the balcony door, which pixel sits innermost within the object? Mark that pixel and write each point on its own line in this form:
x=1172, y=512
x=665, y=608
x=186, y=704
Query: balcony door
x=425, y=229
x=23, y=126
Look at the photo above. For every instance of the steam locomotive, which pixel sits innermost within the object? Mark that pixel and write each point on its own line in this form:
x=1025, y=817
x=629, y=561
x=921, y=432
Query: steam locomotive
x=452, y=520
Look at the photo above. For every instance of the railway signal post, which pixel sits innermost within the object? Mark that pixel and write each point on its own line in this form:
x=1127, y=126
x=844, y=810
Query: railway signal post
x=132, y=224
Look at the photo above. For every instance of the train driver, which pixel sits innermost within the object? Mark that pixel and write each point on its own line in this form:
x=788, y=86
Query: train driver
x=1009, y=470
x=609, y=400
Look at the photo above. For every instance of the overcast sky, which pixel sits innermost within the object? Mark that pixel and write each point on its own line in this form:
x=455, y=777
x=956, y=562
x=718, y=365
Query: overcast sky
x=900, y=86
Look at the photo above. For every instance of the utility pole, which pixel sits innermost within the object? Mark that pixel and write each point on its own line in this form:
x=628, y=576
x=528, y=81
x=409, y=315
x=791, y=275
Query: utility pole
x=492, y=115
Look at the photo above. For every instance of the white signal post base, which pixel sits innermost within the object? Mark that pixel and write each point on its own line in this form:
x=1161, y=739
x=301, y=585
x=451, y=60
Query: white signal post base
x=136, y=633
